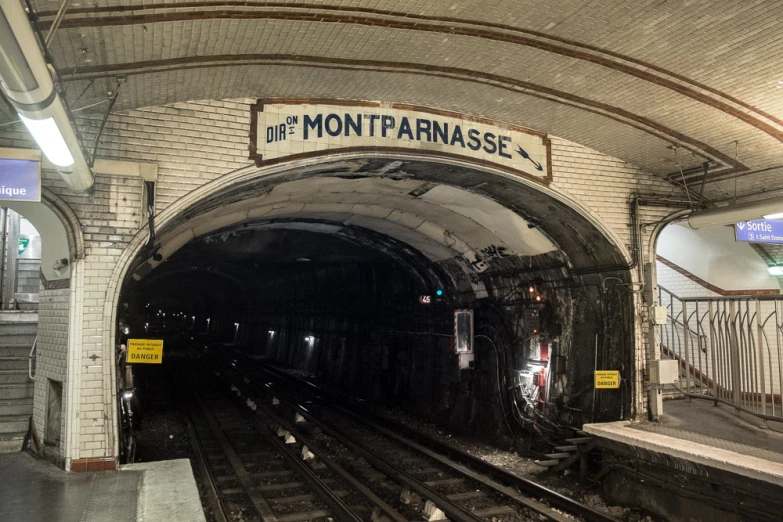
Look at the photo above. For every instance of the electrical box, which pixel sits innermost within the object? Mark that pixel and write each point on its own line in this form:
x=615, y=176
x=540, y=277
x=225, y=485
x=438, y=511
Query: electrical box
x=658, y=314
x=664, y=371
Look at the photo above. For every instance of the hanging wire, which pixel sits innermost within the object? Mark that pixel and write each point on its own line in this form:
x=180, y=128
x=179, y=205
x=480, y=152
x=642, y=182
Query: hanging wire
x=736, y=156
x=682, y=175
x=75, y=70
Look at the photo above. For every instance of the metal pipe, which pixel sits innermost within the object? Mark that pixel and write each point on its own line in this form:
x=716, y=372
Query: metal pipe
x=56, y=23
x=4, y=228
x=30, y=358
x=731, y=214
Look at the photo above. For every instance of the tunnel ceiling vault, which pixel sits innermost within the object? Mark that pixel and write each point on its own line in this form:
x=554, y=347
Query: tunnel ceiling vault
x=251, y=257
x=626, y=82
x=468, y=222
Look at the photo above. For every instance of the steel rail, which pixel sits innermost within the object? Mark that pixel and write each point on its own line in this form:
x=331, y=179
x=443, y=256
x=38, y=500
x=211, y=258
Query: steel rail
x=340, y=509
x=529, y=487
x=243, y=476
x=328, y=462
x=215, y=501
x=453, y=511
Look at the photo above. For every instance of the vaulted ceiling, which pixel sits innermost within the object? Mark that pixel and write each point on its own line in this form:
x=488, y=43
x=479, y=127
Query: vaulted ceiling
x=665, y=85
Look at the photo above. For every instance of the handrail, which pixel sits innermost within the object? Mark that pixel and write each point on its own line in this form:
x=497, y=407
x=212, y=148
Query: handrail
x=729, y=351
x=30, y=359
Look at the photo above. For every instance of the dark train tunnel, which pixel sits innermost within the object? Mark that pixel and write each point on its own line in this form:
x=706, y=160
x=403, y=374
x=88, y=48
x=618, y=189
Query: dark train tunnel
x=353, y=271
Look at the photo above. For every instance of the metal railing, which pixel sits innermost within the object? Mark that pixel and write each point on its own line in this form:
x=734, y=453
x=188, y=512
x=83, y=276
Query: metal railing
x=31, y=359
x=729, y=349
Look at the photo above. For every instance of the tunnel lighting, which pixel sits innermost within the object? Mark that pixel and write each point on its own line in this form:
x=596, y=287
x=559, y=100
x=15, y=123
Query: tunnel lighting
x=538, y=298
x=439, y=292
x=127, y=330
x=194, y=317
x=775, y=270
x=49, y=138
x=128, y=394
x=531, y=289
x=779, y=215
x=271, y=333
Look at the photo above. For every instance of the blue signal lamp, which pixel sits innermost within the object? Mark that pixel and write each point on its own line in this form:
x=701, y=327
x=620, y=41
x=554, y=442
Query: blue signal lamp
x=438, y=292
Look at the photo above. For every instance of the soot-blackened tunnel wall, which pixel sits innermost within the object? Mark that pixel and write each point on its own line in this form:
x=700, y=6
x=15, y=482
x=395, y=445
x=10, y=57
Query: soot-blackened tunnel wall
x=346, y=308
x=358, y=325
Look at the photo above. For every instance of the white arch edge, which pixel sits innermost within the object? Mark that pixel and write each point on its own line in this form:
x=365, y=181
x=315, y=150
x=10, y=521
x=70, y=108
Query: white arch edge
x=238, y=175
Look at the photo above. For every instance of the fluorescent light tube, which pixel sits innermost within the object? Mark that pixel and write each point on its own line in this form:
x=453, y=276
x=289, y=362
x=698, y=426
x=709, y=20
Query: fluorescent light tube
x=50, y=140
x=775, y=270
x=779, y=215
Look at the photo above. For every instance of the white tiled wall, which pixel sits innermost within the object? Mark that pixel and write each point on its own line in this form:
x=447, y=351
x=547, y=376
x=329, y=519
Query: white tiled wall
x=680, y=285
x=194, y=143
x=51, y=352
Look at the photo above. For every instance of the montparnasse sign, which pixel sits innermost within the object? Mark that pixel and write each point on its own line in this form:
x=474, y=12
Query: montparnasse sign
x=285, y=128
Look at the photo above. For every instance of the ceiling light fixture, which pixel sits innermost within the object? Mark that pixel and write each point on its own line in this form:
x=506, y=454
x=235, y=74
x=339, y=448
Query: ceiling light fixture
x=48, y=136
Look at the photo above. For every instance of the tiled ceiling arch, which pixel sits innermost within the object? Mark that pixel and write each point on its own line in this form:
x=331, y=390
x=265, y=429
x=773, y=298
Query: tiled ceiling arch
x=631, y=79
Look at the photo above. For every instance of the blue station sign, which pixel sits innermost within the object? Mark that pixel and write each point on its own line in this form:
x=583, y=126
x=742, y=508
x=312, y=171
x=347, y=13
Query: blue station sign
x=760, y=231
x=20, y=180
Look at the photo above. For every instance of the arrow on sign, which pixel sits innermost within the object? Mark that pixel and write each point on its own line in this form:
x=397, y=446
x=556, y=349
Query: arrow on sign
x=741, y=226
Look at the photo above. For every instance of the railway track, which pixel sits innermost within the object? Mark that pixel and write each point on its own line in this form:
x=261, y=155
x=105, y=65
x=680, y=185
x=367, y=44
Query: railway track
x=253, y=474
x=410, y=479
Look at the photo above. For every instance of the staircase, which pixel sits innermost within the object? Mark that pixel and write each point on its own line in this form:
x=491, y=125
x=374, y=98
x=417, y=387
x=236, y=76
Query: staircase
x=17, y=334
x=573, y=451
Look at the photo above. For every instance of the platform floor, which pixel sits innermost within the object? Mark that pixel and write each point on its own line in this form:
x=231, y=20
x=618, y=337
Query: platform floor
x=33, y=490
x=713, y=436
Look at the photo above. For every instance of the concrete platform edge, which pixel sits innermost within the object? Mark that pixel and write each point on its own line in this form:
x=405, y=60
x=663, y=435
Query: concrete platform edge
x=168, y=492
x=731, y=461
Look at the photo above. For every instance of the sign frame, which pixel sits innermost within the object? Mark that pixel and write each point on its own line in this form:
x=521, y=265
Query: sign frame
x=147, y=347
x=772, y=223
x=606, y=379
x=465, y=313
x=260, y=161
x=27, y=155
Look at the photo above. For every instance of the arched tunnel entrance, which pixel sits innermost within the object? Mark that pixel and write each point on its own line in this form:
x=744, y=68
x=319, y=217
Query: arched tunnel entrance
x=351, y=270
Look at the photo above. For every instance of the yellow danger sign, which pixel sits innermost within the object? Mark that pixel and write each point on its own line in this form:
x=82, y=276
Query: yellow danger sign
x=607, y=379
x=147, y=351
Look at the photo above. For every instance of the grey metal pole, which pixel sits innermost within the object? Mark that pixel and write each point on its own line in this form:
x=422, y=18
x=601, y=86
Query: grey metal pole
x=4, y=228
x=595, y=369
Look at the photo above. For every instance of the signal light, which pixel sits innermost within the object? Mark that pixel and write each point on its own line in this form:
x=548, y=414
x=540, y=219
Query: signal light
x=438, y=292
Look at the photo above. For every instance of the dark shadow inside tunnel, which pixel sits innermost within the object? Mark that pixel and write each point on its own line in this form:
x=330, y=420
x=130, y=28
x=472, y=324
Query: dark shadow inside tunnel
x=354, y=275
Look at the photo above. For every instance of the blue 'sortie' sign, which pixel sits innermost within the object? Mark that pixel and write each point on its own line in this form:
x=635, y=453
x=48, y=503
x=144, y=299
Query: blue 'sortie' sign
x=20, y=180
x=760, y=231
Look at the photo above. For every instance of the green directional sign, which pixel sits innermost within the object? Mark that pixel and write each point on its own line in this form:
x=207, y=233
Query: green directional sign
x=24, y=242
